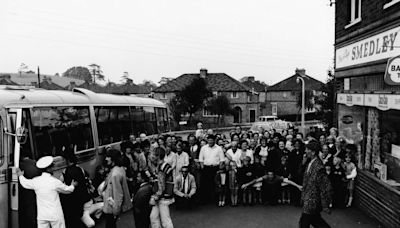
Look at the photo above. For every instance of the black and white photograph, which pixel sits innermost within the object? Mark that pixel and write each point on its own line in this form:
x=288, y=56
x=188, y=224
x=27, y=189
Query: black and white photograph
x=199, y=114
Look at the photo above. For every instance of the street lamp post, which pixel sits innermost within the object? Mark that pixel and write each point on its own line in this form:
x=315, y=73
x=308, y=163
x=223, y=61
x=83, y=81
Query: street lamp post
x=302, y=103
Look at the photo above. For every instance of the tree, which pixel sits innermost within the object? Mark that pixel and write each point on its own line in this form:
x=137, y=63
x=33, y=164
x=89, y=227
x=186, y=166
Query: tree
x=326, y=100
x=22, y=68
x=97, y=73
x=177, y=107
x=220, y=106
x=194, y=95
x=125, y=78
x=78, y=72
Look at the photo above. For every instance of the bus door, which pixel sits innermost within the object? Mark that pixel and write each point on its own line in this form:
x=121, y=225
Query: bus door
x=4, y=178
x=16, y=135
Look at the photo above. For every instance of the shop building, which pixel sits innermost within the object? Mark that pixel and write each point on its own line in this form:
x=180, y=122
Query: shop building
x=367, y=43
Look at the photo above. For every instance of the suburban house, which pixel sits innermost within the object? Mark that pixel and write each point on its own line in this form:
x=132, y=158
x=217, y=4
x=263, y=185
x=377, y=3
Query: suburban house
x=282, y=97
x=243, y=100
x=260, y=88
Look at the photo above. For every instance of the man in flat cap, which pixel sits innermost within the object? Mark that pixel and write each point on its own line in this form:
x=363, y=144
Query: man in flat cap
x=47, y=188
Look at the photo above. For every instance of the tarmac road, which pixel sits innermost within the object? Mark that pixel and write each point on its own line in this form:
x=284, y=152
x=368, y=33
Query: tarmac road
x=211, y=216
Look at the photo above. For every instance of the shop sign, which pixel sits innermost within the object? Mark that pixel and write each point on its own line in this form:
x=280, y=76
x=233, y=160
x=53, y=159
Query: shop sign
x=347, y=119
x=350, y=99
x=392, y=74
x=380, y=46
x=383, y=102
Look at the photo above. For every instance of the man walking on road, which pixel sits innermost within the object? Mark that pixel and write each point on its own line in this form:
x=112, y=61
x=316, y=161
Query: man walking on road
x=316, y=188
x=47, y=187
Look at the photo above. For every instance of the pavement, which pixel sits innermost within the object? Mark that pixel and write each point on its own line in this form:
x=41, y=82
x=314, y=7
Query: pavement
x=210, y=216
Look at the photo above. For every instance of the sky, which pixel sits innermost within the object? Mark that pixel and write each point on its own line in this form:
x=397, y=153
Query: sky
x=151, y=39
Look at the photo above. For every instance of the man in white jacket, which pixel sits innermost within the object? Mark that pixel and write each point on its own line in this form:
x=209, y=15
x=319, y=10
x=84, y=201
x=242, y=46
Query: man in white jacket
x=47, y=188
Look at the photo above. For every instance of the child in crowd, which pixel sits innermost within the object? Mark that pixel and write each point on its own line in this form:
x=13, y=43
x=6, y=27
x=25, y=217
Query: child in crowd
x=283, y=171
x=221, y=184
x=233, y=182
x=337, y=180
x=351, y=173
x=246, y=175
x=259, y=171
x=328, y=170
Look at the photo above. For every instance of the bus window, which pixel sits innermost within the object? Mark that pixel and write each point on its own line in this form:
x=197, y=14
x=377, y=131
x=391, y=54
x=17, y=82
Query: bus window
x=151, y=123
x=138, y=120
x=113, y=124
x=61, y=128
x=1, y=143
x=124, y=122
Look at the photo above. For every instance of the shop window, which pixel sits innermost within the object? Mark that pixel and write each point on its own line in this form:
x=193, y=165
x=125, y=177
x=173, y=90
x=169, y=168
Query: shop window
x=390, y=143
x=58, y=129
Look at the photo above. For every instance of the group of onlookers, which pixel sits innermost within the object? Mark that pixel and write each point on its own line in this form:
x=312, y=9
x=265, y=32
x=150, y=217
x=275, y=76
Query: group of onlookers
x=149, y=174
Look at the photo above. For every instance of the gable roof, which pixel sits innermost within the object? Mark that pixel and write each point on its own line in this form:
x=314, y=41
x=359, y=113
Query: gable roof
x=290, y=84
x=215, y=82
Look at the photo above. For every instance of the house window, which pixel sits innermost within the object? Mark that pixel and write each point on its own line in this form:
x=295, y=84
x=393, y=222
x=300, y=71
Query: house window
x=355, y=12
x=235, y=95
x=390, y=3
x=208, y=113
x=163, y=96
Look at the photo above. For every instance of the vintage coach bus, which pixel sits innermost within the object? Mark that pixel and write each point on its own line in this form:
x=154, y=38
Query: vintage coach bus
x=39, y=122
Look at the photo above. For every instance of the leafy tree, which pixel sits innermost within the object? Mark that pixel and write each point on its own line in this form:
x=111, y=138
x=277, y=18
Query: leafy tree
x=177, y=107
x=78, y=72
x=308, y=97
x=97, y=73
x=194, y=95
x=125, y=78
x=326, y=100
x=148, y=84
x=220, y=106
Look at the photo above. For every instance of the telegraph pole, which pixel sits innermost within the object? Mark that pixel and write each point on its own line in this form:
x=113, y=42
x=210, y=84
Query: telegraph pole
x=38, y=76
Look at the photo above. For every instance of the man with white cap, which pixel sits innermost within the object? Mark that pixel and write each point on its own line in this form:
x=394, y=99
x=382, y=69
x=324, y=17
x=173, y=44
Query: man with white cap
x=47, y=188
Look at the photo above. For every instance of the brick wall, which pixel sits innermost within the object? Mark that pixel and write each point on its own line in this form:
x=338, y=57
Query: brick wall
x=377, y=200
x=373, y=16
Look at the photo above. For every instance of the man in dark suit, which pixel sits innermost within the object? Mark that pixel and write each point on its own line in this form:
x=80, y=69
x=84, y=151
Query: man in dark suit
x=316, y=189
x=141, y=206
x=184, y=188
x=27, y=198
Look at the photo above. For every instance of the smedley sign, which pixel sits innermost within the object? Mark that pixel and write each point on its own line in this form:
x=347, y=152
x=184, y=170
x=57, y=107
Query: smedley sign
x=377, y=47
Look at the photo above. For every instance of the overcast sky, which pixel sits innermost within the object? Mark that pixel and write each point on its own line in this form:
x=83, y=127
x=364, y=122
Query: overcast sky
x=166, y=38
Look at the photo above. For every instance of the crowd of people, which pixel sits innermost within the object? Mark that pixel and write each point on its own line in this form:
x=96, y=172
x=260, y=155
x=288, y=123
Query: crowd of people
x=242, y=168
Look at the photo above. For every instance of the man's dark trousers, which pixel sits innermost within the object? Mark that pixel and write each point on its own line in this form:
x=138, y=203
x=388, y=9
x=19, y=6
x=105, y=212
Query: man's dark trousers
x=312, y=219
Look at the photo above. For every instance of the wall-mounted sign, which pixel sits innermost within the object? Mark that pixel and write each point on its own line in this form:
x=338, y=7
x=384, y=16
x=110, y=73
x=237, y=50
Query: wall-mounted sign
x=350, y=99
x=392, y=74
x=347, y=119
x=377, y=47
x=383, y=101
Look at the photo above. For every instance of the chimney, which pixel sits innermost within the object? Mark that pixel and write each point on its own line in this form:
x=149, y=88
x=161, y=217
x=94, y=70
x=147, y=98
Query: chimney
x=301, y=72
x=72, y=84
x=203, y=73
